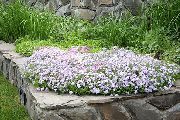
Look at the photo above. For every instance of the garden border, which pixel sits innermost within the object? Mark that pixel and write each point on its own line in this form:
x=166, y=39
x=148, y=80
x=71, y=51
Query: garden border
x=45, y=105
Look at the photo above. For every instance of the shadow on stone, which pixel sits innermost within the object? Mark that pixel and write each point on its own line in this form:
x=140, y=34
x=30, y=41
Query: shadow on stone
x=165, y=102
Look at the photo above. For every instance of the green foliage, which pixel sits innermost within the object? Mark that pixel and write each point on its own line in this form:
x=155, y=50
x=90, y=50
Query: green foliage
x=177, y=77
x=132, y=32
x=26, y=46
x=157, y=30
x=11, y=24
x=119, y=32
x=79, y=91
x=154, y=41
x=166, y=13
x=17, y=20
x=172, y=53
x=10, y=108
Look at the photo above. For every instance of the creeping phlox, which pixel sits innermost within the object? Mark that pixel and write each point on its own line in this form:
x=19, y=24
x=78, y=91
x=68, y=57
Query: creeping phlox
x=108, y=72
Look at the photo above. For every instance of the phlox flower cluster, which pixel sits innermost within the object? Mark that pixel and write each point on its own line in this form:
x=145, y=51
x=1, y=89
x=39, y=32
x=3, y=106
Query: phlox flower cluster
x=109, y=72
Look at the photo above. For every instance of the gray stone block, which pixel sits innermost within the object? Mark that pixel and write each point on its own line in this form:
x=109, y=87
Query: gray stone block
x=30, y=2
x=85, y=3
x=173, y=113
x=1, y=62
x=39, y=6
x=5, y=47
x=165, y=101
x=85, y=113
x=84, y=14
x=110, y=11
x=2, y=42
x=20, y=62
x=6, y=65
x=65, y=2
x=64, y=11
x=142, y=110
x=53, y=5
x=13, y=73
x=112, y=111
x=19, y=78
x=52, y=116
x=11, y=67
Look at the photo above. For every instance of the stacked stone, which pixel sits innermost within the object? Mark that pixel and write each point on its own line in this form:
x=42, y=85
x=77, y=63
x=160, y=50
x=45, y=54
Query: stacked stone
x=46, y=105
x=87, y=9
x=92, y=9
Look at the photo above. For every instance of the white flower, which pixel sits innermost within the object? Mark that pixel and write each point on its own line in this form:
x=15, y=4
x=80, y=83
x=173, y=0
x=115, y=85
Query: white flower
x=101, y=72
x=70, y=92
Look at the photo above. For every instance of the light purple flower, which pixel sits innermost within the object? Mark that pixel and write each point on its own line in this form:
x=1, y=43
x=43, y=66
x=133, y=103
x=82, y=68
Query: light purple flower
x=101, y=72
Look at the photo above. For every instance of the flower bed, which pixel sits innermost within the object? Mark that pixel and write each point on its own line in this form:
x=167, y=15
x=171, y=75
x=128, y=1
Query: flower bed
x=109, y=72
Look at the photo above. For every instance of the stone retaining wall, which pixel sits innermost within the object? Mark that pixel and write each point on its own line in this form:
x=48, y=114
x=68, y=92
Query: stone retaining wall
x=90, y=9
x=87, y=9
x=50, y=106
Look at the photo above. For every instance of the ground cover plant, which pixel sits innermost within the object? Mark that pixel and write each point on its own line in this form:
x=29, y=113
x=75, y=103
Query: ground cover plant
x=26, y=46
x=111, y=72
x=10, y=107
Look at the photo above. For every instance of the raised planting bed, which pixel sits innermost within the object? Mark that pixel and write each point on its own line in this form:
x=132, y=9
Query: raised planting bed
x=154, y=103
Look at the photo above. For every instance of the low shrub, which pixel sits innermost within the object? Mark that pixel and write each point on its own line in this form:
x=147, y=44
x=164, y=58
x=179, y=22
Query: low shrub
x=26, y=46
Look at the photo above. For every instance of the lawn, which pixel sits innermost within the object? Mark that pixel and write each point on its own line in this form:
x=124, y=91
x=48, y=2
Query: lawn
x=10, y=107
